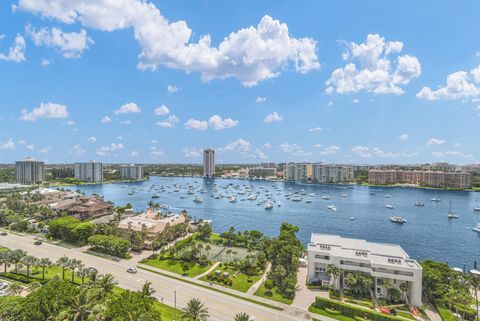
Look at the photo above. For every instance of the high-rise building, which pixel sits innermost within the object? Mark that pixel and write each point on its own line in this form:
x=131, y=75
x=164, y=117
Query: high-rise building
x=318, y=172
x=134, y=172
x=29, y=171
x=89, y=172
x=208, y=162
x=422, y=178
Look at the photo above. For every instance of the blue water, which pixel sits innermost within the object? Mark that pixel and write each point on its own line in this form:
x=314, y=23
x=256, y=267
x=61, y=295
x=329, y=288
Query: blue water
x=428, y=232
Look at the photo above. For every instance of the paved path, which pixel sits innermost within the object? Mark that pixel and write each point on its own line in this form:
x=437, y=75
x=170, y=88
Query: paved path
x=222, y=307
x=257, y=284
x=432, y=313
x=207, y=272
x=304, y=297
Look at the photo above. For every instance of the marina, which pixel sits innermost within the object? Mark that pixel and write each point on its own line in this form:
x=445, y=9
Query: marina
x=351, y=211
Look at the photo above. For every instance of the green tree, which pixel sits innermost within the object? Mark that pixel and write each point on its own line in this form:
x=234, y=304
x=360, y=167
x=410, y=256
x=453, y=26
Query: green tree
x=106, y=283
x=64, y=263
x=334, y=273
x=15, y=257
x=195, y=311
x=5, y=260
x=474, y=282
x=28, y=261
x=242, y=317
x=82, y=305
x=147, y=290
x=44, y=263
x=131, y=306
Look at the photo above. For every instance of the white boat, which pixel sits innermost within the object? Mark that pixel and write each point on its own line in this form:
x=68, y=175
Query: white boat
x=476, y=209
x=476, y=228
x=183, y=197
x=268, y=206
x=435, y=199
x=155, y=196
x=296, y=199
x=419, y=204
x=232, y=199
x=388, y=196
x=389, y=206
x=197, y=199
x=252, y=197
x=352, y=218
x=326, y=198
x=308, y=200
x=332, y=207
x=451, y=214
x=398, y=219
x=344, y=195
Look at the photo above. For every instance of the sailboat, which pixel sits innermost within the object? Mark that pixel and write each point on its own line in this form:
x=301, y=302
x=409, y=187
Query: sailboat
x=477, y=206
x=450, y=213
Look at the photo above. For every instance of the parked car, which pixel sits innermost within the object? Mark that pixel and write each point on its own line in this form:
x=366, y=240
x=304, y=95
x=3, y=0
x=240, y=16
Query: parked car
x=3, y=233
x=132, y=270
x=38, y=243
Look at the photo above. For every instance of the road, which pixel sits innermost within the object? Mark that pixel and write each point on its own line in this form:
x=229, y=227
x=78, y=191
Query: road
x=221, y=307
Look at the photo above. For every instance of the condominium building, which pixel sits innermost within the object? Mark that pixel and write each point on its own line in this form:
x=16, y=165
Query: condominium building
x=268, y=165
x=208, y=162
x=383, y=262
x=421, y=178
x=318, y=172
x=29, y=171
x=262, y=172
x=88, y=172
x=133, y=172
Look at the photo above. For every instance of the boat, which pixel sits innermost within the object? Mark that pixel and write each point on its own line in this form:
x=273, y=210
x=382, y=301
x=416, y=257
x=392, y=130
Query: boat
x=388, y=196
x=232, y=199
x=279, y=204
x=389, y=206
x=268, y=206
x=326, y=198
x=476, y=209
x=397, y=219
x=332, y=207
x=451, y=214
x=308, y=200
x=344, y=195
x=155, y=196
x=197, y=199
x=296, y=199
x=352, y=218
x=252, y=197
x=476, y=228
x=372, y=193
x=419, y=204
x=435, y=199
x=183, y=197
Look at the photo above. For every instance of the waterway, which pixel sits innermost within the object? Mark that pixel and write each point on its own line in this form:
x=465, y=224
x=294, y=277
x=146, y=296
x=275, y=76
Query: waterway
x=428, y=232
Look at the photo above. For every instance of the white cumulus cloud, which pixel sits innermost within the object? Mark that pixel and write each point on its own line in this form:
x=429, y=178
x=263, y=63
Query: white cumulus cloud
x=16, y=53
x=191, y=152
x=436, y=141
x=196, y=124
x=70, y=44
x=260, y=100
x=106, y=120
x=129, y=108
x=362, y=151
x=107, y=150
x=250, y=54
x=370, y=68
x=92, y=139
x=273, y=117
x=218, y=123
x=403, y=137
x=46, y=111
x=169, y=123
x=161, y=110
x=171, y=89
x=329, y=150
x=9, y=144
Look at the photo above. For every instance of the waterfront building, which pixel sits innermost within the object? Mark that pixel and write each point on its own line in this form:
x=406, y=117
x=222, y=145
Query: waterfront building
x=208, y=162
x=131, y=172
x=268, y=165
x=438, y=179
x=88, y=172
x=29, y=171
x=262, y=172
x=379, y=260
x=318, y=172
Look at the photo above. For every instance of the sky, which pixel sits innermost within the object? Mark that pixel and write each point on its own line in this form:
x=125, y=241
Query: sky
x=132, y=81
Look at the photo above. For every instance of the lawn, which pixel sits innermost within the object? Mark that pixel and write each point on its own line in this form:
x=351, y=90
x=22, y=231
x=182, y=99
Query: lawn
x=275, y=296
x=175, y=266
x=240, y=281
x=3, y=249
x=446, y=314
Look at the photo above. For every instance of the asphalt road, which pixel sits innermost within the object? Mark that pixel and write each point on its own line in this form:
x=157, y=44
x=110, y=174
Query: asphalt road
x=221, y=307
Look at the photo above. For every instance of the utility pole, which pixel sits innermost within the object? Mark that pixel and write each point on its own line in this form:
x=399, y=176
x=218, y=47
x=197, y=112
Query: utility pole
x=175, y=305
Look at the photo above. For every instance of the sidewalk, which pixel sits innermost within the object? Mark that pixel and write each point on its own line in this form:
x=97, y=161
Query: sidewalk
x=207, y=272
x=257, y=284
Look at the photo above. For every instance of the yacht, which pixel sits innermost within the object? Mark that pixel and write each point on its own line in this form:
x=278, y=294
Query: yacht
x=344, y=195
x=296, y=199
x=476, y=209
x=477, y=228
x=352, y=218
x=183, y=197
x=155, y=196
x=389, y=206
x=308, y=200
x=451, y=214
x=232, y=199
x=388, y=196
x=197, y=199
x=332, y=207
x=252, y=197
x=326, y=198
x=435, y=199
x=268, y=206
x=398, y=219
x=419, y=204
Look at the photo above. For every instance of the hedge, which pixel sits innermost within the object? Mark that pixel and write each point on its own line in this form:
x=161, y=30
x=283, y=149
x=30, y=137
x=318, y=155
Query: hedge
x=351, y=311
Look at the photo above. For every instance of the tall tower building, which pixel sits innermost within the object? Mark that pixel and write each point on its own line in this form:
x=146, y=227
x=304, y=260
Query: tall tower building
x=29, y=171
x=208, y=162
x=134, y=172
x=88, y=172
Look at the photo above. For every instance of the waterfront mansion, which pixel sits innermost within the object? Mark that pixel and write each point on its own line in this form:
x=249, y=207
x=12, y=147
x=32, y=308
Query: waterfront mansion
x=380, y=261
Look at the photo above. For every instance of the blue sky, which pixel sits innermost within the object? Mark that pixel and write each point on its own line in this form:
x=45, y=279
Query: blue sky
x=345, y=81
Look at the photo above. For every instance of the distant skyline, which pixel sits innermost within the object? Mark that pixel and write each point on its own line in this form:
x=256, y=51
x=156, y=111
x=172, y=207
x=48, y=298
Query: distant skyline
x=159, y=81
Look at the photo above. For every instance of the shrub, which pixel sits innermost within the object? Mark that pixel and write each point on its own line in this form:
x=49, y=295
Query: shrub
x=268, y=293
x=268, y=284
x=334, y=312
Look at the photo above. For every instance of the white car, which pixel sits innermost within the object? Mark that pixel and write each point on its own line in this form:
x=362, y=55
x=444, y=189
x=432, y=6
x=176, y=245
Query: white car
x=132, y=270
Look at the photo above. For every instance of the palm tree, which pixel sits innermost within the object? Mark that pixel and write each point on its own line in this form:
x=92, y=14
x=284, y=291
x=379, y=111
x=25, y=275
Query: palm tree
x=64, y=263
x=74, y=265
x=44, y=263
x=404, y=290
x=106, y=282
x=15, y=257
x=229, y=253
x=82, y=305
x=334, y=272
x=195, y=311
x=474, y=281
x=242, y=317
x=15, y=288
x=5, y=260
x=147, y=290
x=207, y=249
x=28, y=261
x=83, y=272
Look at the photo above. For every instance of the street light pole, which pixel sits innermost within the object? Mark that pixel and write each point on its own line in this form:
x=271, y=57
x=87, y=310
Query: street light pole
x=175, y=305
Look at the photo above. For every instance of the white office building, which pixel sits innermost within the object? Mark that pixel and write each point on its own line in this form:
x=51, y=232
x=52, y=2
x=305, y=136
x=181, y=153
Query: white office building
x=29, y=172
x=88, y=172
x=379, y=260
x=209, y=162
x=132, y=172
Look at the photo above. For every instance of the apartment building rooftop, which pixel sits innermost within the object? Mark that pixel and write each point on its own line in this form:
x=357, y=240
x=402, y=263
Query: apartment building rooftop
x=376, y=253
